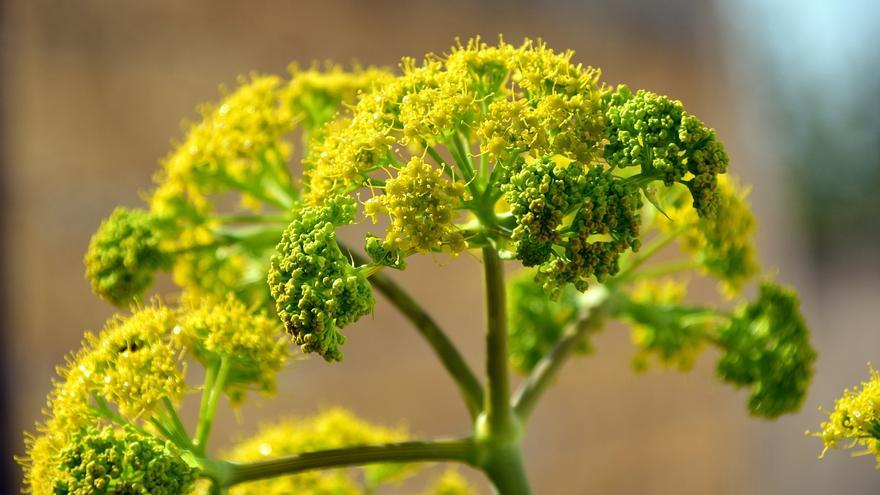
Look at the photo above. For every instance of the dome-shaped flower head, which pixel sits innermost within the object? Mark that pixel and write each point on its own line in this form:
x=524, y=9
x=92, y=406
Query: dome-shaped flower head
x=250, y=340
x=514, y=99
x=134, y=362
x=855, y=420
x=316, y=289
x=421, y=204
x=123, y=255
x=110, y=461
x=655, y=133
x=767, y=348
x=132, y=365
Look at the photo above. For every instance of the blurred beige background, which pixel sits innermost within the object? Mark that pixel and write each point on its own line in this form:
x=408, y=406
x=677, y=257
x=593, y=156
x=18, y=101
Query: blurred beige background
x=94, y=90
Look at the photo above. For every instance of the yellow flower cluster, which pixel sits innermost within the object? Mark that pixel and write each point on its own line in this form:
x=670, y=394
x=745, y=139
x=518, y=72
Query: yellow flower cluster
x=721, y=241
x=132, y=363
x=315, y=95
x=236, y=144
x=421, y=204
x=137, y=365
x=855, y=420
x=241, y=145
x=515, y=99
x=252, y=342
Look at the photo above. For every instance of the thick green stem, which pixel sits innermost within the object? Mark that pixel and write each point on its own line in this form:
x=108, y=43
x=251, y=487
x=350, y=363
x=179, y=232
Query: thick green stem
x=229, y=473
x=498, y=412
x=548, y=367
x=507, y=473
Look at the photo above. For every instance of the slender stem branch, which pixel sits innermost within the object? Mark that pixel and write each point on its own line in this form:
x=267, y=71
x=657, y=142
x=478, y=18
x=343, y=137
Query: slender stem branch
x=498, y=412
x=450, y=357
x=666, y=269
x=252, y=218
x=229, y=473
x=648, y=251
x=447, y=169
x=203, y=429
x=467, y=382
x=547, y=368
x=176, y=423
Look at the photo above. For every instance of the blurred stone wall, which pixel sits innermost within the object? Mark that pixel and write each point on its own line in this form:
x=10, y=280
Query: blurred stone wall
x=95, y=91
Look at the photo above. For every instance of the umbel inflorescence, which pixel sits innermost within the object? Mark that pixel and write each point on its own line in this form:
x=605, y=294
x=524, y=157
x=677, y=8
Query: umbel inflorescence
x=516, y=152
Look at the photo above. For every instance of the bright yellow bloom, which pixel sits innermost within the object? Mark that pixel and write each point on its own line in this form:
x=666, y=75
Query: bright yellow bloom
x=421, y=204
x=855, y=420
x=251, y=341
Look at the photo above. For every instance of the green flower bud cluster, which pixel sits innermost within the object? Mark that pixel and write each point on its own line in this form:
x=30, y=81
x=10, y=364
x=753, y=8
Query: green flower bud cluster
x=573, y=222
x=123, y=255
x=767, y=348
x=536, y=322
x=116, y=461
x=316, y=289
x=855, y=420
x=542, y=193
x=655, y=133
x=421, y=205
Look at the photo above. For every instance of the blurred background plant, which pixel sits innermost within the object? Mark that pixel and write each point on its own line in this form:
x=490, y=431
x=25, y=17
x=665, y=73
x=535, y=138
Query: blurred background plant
x=93, y=92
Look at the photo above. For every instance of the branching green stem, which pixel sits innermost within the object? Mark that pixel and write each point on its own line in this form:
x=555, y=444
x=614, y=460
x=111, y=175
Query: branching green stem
x=666, y=269
x=468, y=384
x=228, y=474
x=647, y=252
x=548, y=367
x=452, y=360
x=209, y=409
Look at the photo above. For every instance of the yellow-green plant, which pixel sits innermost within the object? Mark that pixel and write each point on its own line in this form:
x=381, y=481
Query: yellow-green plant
x=513, y=152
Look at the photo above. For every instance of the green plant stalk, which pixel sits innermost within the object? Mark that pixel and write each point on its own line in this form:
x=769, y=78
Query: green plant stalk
x=647, y=252
x=499, y=417
x=548, y=367
x=499, y=431
x=206, y=416
x=226, y=474
x=506, y=471
x=451, y=359
x=467, y=383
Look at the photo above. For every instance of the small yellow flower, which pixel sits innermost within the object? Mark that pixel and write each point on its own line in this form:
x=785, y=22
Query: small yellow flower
x=855, y=420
